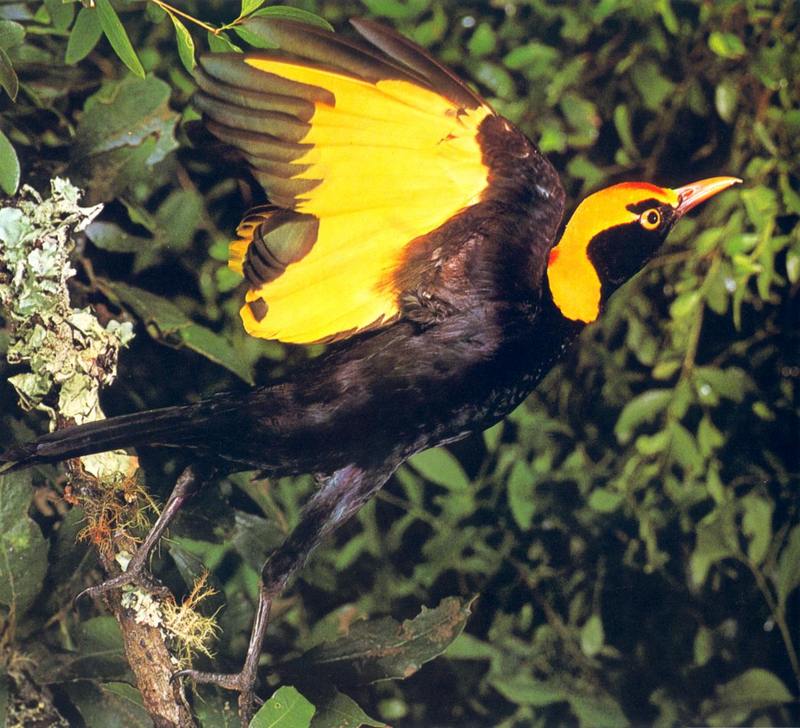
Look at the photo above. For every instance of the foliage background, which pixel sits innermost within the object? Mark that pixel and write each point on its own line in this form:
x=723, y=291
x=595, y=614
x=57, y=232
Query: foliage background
x=631, y=530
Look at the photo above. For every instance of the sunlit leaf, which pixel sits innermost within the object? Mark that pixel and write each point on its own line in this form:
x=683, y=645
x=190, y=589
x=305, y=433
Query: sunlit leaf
x=286, y=12
x=520, y=494
x=642, y=408
x=248, y=6
x=117, y=36
x=287, y=708
x=440, y=467
x=185, y=44
x=592, y=636
x=726, y=45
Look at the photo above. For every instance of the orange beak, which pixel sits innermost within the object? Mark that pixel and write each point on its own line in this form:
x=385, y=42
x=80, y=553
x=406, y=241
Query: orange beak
x=690, y=196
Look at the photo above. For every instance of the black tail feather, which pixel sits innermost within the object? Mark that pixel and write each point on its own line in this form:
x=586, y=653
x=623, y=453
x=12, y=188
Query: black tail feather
x=151, y=427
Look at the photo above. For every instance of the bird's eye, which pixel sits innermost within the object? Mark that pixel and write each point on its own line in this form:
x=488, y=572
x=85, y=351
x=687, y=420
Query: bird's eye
x=650, y=219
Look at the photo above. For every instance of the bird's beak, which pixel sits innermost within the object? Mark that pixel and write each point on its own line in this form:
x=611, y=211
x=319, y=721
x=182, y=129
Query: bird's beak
x=690, y=196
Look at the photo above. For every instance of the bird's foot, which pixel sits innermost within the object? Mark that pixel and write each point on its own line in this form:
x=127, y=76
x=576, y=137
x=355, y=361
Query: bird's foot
x=243, y=682
x=135, y=575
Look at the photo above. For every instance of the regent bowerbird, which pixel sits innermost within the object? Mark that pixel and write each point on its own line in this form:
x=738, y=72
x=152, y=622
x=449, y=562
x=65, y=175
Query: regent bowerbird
x=417, y=233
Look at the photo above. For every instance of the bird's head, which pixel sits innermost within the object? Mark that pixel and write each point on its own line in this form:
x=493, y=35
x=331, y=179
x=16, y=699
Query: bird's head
x=612, y=234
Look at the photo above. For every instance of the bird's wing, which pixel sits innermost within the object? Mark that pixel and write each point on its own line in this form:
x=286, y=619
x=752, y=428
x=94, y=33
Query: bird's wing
x=362, y=150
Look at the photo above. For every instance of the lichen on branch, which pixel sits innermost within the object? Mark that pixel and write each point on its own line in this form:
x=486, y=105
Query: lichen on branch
x=70, y=354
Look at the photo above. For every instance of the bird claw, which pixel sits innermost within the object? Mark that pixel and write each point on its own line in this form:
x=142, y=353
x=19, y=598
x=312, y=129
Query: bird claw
x=135, y=575
x=242, y=682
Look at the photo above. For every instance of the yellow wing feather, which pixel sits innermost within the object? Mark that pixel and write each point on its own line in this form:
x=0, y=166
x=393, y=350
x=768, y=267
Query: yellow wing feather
x=394, y=161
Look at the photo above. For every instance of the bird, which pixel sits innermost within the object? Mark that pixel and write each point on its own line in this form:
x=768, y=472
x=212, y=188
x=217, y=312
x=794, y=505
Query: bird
x=414, y=231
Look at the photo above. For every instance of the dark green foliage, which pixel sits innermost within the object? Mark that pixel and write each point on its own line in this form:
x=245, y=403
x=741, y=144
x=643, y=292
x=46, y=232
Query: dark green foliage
x=631, y=531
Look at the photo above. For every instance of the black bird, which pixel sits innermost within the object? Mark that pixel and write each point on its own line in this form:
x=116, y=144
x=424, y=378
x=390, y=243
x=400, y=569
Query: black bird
x=414, y=229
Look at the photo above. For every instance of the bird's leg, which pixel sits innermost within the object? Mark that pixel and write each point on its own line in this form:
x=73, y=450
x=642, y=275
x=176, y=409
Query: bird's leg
x=340, y=496
x=188, y=483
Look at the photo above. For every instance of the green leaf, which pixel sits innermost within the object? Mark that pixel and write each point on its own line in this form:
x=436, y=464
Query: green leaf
x=604, y=500
x=535, y=60
x=483, y=41
x=757, y=526
x=178, y=218
x=726, y=99
x=8, y=76
x=220, y=43
x=496, y=78
x=156, y=311
x=752, y=690
x=732, y=383
x=622, y=123
x=597, y=711
x=523, y=689
x=126, y=128
x=285, y=12
x=493, y=436
x=11, y=34
x=382, y=649
x=684, y=449
x=108, y=704
x=217, y=349
x=185, y=44
x=592, y=636
x=397, y=9
x=761, y=204
x=110, y=236
x=467, y=647
x=248, y=6
x=118, y=36
x=642, y=408
x=287, y=708
x=726, y=45
x=337, y=710
x=520, y=494
x=99, y=654
x=61, y=13
x=83, y=37
x=787, y=575
x=9, y=166
x=582, y=118
x=439, y=466
x=23, y=556
x=651, y=84
x=717, y=539
x=164, y=318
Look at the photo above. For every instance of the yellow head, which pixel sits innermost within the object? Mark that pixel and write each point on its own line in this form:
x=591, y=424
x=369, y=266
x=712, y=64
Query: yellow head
x=612, y=234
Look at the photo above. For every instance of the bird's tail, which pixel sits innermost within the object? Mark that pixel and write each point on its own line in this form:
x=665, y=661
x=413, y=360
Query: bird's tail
x=159, y=426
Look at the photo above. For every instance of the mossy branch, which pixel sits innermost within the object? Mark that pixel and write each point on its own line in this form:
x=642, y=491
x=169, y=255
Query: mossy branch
x=71, y=356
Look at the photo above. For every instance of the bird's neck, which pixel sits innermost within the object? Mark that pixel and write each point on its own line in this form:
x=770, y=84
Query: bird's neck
x=573, y=280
